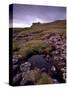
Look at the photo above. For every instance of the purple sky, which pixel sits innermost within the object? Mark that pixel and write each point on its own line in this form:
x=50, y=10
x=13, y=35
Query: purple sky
x=25, y=15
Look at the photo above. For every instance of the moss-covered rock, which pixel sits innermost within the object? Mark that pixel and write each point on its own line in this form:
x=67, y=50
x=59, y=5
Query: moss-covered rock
x=45, y=79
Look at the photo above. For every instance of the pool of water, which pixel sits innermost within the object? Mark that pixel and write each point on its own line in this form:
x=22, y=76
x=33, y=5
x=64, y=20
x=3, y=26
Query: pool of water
x=39, y=61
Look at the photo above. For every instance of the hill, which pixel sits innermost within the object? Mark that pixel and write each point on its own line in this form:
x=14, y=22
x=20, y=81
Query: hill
x=41, y=41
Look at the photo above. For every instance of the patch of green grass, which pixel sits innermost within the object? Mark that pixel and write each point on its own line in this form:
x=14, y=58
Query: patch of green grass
x=45, y=79
x=33, y=47
x=35, y=74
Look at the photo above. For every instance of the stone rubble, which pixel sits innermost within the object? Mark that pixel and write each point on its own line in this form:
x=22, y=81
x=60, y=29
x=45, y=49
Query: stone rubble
x=59, y=54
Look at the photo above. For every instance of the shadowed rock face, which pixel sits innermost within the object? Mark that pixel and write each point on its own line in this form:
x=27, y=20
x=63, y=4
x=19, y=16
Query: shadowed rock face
x=39, y=62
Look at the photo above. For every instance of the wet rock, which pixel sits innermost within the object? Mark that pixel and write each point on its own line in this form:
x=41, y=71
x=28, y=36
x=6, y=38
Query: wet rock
x=16, y=78
x=27, y=76
x=64, y=76
x=55, y=81
x=15, y=60
x=25, y=66
x=23, y=82
x=53, y=68
x=63, y=69
x=15, y=67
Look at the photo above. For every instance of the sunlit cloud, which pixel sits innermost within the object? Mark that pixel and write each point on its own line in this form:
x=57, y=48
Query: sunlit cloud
x=29, y=22
x=20, y=25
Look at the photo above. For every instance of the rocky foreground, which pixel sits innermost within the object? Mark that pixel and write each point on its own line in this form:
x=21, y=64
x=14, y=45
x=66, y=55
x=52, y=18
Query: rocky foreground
x=25, y=74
